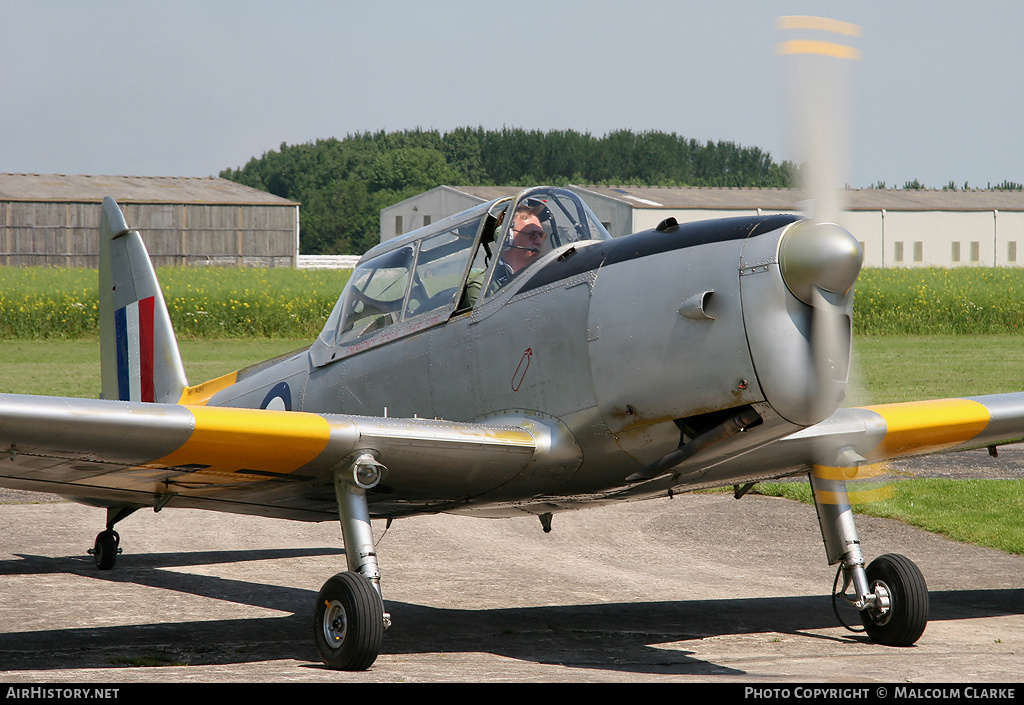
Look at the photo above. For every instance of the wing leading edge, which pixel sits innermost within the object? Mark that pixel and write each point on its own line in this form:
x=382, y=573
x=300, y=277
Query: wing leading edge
x=251, y=461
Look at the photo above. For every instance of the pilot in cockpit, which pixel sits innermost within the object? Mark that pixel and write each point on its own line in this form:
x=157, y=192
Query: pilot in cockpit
x=526, y=239
x=524, y=246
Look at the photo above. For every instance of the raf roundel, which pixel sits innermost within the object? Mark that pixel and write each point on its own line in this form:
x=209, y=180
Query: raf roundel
x=279, y=398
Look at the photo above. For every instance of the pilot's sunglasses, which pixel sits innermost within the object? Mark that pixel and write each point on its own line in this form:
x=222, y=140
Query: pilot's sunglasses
x=539, y=233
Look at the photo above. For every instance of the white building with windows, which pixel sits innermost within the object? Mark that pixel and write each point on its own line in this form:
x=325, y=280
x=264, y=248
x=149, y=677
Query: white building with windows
x=897, y=228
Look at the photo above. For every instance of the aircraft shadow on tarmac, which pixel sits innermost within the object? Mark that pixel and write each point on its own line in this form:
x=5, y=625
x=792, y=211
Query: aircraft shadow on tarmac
x=607, y=636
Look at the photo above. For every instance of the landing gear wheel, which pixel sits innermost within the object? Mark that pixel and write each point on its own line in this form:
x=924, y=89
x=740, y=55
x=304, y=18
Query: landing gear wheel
x=895, y=579
x=105, y=549
x=348, y=623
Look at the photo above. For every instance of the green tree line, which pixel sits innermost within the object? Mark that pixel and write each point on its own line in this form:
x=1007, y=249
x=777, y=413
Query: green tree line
x=343, y=184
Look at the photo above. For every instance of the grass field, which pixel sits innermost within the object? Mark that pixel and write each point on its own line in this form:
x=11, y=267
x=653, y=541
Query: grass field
x=886, y=368
x=38, y=303
x=905, y=368
x=982, y=512
x=205, y=302
x=72, y=367
x=963, y=300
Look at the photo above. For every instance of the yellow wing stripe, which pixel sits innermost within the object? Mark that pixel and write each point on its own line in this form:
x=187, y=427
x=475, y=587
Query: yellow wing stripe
x=228, y=440
x=928, y=426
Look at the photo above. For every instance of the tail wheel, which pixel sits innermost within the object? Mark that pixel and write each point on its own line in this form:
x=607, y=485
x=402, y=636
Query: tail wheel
x=348, y=622
x=901, y=614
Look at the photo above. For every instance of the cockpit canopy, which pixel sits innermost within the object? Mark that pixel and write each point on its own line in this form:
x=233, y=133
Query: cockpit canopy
x=424, y=277
x=542, y=220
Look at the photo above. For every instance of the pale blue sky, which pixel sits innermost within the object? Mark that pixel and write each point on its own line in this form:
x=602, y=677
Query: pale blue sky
x=187, y=88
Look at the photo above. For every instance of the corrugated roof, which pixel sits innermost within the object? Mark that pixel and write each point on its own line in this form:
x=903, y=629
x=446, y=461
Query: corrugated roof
x=131, y=189
x=789, y=199
x=488, y=193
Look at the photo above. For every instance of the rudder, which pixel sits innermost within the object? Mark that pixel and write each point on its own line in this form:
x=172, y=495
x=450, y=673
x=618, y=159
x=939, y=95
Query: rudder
x=139, y=357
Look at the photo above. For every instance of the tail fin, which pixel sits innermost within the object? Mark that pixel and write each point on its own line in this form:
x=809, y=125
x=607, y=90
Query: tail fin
x=139, y=358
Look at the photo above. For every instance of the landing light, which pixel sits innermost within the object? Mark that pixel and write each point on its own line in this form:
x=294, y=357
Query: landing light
x=366, y=471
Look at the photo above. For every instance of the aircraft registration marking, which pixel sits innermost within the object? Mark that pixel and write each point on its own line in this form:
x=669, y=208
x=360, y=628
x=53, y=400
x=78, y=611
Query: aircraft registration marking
x=200, y=394
x=929, y=426
x=228, y=440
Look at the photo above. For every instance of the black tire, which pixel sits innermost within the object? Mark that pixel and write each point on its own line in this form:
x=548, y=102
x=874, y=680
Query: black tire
x=348, y=622
x=904, y=622
x=105, y=549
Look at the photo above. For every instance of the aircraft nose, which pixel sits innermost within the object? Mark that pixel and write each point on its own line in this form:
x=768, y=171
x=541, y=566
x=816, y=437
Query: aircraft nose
x=819, y=255
x=801, y=351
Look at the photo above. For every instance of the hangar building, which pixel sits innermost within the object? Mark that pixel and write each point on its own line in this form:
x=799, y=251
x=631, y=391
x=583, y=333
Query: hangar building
x=54, y=219
x=897, y=228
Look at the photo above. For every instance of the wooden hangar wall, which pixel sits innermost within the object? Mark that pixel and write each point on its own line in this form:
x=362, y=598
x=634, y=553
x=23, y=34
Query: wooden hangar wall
x=53, y=220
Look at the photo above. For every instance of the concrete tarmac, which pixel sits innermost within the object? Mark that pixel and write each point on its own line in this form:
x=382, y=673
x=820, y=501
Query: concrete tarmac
x=691, y=589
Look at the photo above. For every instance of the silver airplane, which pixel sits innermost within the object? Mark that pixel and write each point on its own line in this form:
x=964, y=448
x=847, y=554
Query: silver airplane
x=510, y=359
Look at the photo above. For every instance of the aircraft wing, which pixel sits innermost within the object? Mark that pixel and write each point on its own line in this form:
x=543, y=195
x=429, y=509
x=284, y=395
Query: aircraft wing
x=862, y=436
x=250, y=461
x=889, y=431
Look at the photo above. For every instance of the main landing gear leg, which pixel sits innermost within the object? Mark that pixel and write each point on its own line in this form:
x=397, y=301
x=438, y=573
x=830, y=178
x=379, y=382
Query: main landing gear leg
x=349, y=619
x=890, y=593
